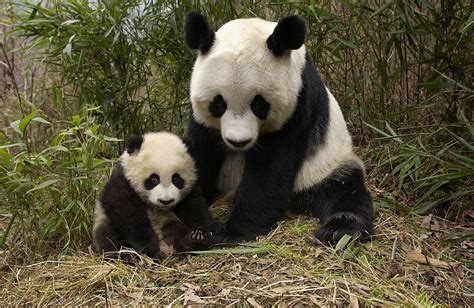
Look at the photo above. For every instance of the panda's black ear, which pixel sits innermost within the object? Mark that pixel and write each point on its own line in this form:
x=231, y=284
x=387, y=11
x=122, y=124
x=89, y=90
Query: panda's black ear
x=134, y=143
x=197, y=33
x=288, y=34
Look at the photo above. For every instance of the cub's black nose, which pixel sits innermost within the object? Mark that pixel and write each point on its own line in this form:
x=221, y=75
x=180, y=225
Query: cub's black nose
x=239, y=144
x=166, y=202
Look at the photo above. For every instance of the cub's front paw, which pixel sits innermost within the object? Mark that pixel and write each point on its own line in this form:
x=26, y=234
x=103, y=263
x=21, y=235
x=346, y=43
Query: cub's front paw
x=199, y=238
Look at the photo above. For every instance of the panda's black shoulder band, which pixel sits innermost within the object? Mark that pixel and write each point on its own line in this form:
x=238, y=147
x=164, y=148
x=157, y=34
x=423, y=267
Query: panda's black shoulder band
x=289, y=34
x=197, y=32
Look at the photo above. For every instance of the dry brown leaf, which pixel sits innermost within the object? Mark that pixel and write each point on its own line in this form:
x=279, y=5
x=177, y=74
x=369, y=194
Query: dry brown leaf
x=426, y=223
x=191, y=298
x=225, y=292
x=354, y=301
x=253, y=303
x=418, y=257
x=190, y=286
x=286, y=289
x=316, y=301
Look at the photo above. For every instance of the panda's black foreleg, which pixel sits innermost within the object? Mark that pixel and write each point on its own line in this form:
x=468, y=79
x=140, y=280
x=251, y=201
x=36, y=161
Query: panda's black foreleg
x=133, y=228
x=343, y=204
x=194, y=210
x=265, y=190
x=206, y=148
x=185, y=238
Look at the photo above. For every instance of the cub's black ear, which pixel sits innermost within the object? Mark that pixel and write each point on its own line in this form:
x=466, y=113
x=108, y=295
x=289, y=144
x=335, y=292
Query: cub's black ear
x=189, y=145
x=288, y=34
x=197, y=33
x=134, y=143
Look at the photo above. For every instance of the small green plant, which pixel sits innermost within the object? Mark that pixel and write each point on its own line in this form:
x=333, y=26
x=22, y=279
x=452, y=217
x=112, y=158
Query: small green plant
x=427, y=172
x=50, y=189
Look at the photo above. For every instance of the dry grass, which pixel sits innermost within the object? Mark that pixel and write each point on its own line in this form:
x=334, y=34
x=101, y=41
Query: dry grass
x=409, y=262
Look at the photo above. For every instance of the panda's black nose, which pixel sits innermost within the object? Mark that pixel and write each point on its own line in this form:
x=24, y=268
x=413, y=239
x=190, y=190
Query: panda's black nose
x=238, y=144
x=166, y=202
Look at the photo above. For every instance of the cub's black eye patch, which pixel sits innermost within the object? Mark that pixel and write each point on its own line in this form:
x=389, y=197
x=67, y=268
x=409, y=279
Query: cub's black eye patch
x=177, y=181
x=218, y=106
x=152, y=181
x=260, y=107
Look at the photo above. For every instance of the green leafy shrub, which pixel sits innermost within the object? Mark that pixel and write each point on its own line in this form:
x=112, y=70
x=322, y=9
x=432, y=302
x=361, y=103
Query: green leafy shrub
x=50, y=191
x=426, y=172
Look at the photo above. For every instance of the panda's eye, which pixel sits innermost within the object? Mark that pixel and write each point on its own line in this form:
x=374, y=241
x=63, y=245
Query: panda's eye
x=260, y=107
x=218, y=106
x=177, y=181
x=152, y=181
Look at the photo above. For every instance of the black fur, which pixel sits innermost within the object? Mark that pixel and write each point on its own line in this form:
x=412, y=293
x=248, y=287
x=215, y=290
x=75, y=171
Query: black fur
x=260, y=107
x=129, y=223
x=134, y=143
x=197, y=33
x=218, y=106
x=152, y=181
x=344, y=205
x=177, y=181
x=266, y=192
x=207, y=149
x=289, y=34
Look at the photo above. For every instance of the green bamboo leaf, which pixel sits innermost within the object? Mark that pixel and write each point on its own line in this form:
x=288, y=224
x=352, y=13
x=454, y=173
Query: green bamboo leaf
x=342, y=243
x=16, y=126
x=41, y=120
x=347, y=43
x=112, y=139
x=43, y=185
x=25, y=121
x=12, y=145
x=70, y=22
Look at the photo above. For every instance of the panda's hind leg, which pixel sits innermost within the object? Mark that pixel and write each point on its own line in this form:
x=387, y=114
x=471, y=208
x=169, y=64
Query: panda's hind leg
x=105, y=240
x=343, y=204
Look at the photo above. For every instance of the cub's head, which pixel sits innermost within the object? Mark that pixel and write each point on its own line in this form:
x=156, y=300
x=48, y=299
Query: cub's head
x=159, y=168
x=247, y=77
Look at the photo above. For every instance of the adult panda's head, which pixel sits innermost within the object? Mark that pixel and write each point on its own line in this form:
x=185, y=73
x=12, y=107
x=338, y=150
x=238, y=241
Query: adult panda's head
x=247, y=77
x=159, y=168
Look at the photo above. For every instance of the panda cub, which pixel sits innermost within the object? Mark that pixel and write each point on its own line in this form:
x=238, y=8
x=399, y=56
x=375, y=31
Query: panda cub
x=151, y=200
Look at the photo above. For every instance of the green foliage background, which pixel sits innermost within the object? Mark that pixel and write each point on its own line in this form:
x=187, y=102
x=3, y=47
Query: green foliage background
x=89, y=73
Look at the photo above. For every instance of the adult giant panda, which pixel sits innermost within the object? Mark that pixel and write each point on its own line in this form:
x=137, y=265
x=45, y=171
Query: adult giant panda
x=265, y=127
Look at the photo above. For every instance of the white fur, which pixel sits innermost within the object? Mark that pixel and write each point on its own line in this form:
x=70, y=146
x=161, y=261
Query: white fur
x=164, y=154
x=239, y=127
x=231, y=172
x=99, y=216
x=158, y=219
x=239, y=66
x=334, y=153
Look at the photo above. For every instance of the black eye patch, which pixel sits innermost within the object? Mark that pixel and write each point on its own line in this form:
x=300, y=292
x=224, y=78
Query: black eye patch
x=260, y=107
x=177, y=181
x=217, y=106
x=152, y=181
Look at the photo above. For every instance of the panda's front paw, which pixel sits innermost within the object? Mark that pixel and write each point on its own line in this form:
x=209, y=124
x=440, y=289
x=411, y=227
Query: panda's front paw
x=334, y=230
x=199, y=238
x=200, y=235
